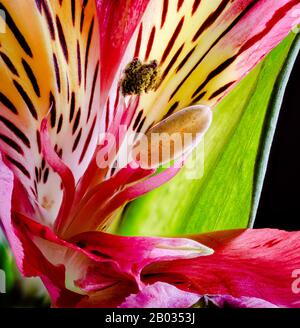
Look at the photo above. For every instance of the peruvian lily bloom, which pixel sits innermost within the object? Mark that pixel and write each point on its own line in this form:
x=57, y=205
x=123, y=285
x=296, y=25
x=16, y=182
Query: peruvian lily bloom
x=74, y=72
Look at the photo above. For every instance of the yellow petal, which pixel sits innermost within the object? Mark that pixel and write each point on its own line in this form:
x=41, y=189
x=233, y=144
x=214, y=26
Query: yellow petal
x=204, y=48
x=49, y=65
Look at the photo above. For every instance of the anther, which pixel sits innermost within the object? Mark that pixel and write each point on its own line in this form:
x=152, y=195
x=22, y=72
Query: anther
x=139, y=77
x=173, y=137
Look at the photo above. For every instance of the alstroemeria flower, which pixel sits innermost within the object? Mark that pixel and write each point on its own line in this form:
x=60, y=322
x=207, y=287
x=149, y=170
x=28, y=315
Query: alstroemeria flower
x=72, y=71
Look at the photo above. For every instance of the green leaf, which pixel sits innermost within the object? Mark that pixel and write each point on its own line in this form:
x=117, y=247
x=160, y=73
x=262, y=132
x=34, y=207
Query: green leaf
x=235, y=152
x=19, y=291
x=7, y=265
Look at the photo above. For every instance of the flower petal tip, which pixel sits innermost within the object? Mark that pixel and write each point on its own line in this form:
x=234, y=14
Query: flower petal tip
x=160, y=295
x=183, y=248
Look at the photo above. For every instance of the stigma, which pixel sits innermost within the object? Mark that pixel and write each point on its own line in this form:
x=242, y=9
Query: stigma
x=140, y=77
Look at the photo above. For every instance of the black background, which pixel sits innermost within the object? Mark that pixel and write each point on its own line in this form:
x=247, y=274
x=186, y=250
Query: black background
x=280, y=199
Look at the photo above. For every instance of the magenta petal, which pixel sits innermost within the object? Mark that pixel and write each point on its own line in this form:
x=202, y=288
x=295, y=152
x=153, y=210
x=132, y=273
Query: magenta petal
x=94, y=268
x=141, y=188
x=160, y=295
x=133, y=253
x=29, y=259
x=115, y=32
x=270, y=21
x=245, y=263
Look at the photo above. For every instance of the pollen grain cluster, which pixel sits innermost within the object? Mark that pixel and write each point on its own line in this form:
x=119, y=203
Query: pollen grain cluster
x=139, y=77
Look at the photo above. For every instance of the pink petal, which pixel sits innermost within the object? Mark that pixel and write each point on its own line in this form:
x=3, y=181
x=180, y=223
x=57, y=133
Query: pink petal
x=246, y=263
x=160, y=295
x=93, y=269
x=140, y=189
x=204, y=49
x=92, y=203
x=270, y=21
x=63, y=171
x=118, y=20
x=28, y=257
x=223, y=301
x=6, y=189
x=94, y=174
x=107, y=198
x=140, y=251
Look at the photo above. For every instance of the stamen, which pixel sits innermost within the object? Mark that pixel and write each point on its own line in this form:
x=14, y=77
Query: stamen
x=139, y=77
x=173, y=137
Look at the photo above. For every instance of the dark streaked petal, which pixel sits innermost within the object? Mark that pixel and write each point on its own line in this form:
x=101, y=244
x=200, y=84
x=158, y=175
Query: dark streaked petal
x=49, y=66
x=204, y=48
